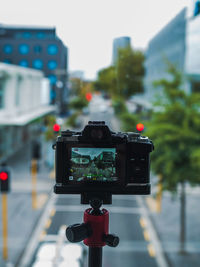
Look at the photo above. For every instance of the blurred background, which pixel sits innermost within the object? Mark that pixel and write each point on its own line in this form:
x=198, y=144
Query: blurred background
x=125, y=62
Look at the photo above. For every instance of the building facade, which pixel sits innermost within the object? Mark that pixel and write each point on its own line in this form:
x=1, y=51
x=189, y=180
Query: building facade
x=121, y=42
x=24, y=101
x=40, y=49
x=192, y=63
x=169, y=45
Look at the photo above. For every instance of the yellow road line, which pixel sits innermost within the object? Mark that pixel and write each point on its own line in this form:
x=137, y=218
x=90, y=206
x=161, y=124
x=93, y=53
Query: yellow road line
x=151, y=250
x=52, y=213
x=146, y=235
x=143, y=222
x=48, y=223
x=42, y=235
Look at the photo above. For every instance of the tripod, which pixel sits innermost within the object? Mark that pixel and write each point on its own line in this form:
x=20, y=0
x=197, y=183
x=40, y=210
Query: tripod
x=93, y=232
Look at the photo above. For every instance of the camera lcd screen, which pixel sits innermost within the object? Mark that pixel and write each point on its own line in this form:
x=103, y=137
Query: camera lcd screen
x=93, y=164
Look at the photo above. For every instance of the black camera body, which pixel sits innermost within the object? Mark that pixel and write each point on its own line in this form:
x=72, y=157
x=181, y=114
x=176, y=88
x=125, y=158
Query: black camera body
x=97, y=162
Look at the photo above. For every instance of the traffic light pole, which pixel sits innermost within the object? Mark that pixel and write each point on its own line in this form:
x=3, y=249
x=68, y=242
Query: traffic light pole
x=5, y=225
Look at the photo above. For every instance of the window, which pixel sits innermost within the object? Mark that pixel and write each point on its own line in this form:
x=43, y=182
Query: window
x=24, y=49
x=23, y=63
x=52, y=79
x=7, y=61
x=40, y=35
x=37, y=49
x=52, y=49
x=2, y=94
x=7, y=49
x=52, y=64
x=197, y=8
x=37, y=64
x=26, y=35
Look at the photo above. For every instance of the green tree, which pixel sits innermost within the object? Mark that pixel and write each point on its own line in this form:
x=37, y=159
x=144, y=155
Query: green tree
x=129, y=72
x=174, y=129
x=106, y=81
x=125, y=77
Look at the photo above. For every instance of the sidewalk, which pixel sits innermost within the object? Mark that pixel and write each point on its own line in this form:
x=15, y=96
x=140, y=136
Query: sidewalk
x=21, y=217
x=167, y=224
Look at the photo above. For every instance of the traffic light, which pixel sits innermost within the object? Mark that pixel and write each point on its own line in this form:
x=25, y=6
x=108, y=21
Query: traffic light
x=140, y=127
x=4, y=180
x=88, y=97
x=56, y=128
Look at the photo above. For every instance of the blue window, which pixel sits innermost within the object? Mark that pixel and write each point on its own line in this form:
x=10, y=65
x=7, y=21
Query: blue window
x=37, y=49
x=52, y=49
x=24, y=49
x=52, y=64
x=40, y=35
x=26, y=35
x=7, y=49
x=23, y=63
x=37, y=64
x=52, y=79
x=7, y=61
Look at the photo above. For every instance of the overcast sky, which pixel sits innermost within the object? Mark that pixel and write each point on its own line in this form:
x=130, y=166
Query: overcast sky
x=88, y=27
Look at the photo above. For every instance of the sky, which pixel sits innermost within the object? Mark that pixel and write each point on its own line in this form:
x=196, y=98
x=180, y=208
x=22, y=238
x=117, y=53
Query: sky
x=88, y=27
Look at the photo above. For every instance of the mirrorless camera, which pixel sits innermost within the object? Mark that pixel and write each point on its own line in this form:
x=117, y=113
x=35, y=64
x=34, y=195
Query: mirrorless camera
x=98, y=162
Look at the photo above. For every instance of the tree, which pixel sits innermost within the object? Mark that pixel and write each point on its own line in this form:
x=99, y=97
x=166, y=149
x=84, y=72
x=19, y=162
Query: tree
x=106, y=81
x=130, y=72
x=125, y=78
x=174, y=129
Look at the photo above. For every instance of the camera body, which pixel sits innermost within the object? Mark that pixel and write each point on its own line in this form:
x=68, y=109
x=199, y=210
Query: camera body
x=98, y=162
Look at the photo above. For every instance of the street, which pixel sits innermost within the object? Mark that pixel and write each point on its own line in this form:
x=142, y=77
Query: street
x=128, y=219
x=37, y=237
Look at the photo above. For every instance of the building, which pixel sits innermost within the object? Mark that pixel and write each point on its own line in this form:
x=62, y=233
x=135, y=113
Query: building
x=24, y=102
x=192, y=63
x=121, y=42
x=168, y=45
x=41, y=49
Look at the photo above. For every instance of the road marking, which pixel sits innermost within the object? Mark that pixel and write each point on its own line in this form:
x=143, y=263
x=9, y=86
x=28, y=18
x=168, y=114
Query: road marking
x=52, y=174
x=81, y=208
x=146, y=235
x=151, y=250
x=41, y=200
x=157, y=246
x=143, y=222
x=52, y=213
x=151, y=202
x=42, y=235
x=33, y=242
x=48, y=223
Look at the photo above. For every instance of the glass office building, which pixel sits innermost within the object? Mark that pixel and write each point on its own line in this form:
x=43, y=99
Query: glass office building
x=168, y=45
x=192, y=62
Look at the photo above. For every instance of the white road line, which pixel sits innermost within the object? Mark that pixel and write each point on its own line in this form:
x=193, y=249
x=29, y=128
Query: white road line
x=81, y=208
x=160, y=258
x=33, y=242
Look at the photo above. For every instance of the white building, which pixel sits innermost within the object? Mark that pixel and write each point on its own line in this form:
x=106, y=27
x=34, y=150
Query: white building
x=24, y=98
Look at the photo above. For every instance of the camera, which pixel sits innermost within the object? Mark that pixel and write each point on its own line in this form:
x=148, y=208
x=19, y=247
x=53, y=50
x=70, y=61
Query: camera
x=98, y=162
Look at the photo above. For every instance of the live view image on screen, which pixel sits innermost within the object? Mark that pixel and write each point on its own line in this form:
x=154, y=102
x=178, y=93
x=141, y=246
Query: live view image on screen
x=95, y=164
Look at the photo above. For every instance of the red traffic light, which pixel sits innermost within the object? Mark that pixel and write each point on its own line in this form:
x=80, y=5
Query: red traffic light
x=88, y=97
x=56, y=127
x=140, y=127
x=3, y=176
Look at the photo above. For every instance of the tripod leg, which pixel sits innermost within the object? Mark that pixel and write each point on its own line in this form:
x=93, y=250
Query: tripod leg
x=95, y=257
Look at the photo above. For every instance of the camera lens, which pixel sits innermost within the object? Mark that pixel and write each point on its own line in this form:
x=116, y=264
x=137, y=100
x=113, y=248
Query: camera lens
x=97, y=134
